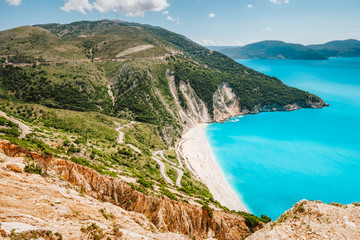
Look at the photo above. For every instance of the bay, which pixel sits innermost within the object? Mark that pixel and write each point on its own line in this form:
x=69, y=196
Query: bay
x=273, y=160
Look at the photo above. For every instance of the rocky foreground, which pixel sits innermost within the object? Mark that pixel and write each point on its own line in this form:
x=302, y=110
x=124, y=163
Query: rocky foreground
x=314, y=220
x=42, y=196
x=68, y=201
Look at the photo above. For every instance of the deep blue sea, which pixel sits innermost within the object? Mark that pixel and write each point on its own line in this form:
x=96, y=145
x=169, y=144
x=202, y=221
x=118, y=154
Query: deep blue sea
x=273, y=160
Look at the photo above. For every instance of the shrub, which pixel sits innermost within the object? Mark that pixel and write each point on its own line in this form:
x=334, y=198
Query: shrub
x=167, y=193
x=33, y=168
x=93, y=231
x=251, y=221
x=337, y=204
x=266, y=218
x=208, y=210
x=299, y=208
x=145, y=183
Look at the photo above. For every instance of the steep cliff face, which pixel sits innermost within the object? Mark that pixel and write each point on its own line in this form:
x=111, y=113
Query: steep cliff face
x=193, y=109
x=314, y=220
x=167, y=215
x=226, y=103
x=196, y=108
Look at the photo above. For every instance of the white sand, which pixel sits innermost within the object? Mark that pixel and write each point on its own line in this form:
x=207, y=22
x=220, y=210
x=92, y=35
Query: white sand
x=198, y=155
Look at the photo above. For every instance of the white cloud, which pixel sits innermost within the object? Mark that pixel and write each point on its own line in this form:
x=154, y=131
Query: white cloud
x=131, y=8
x=14, y=2
x=77, y=5
x=211, y=15
x=165, y=12
x=208, y=42
x=250, y=6
x=268, y=29
x=171, y=19
x=355, y=32
x=275, y=1
x=279, y=1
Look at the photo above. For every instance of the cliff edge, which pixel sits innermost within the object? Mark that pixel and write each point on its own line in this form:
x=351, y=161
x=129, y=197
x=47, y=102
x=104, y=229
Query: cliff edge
x=314, y=220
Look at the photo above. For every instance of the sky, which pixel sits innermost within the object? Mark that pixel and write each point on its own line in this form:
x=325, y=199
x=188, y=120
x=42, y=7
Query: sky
x=208, y=22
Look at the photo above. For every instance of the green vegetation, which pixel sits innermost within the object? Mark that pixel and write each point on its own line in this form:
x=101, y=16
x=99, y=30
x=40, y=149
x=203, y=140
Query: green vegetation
x=9, y=128
x=345, y=48
x=33, y=234
x=172, y=174
x=33, y=168
x=299, y=208
x=145, y=183
x=106, y=214
x=253, y=221
x=337, y=204
x=282, y=50
x=209, y=210
x=272, y=50
x=167, y=193
x=68, y=87
x=93, y=232
x=191, y=187
x=62, y=79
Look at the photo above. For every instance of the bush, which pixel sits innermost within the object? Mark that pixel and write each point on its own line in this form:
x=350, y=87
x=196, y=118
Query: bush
x=11, y=131
x=33, y=168
x=251, y=221
x=167, y=193
x=266, y=218
x=208, y=210
x=145, y=183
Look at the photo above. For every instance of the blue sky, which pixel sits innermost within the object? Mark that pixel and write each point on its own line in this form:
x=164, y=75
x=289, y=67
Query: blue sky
x=209, y=22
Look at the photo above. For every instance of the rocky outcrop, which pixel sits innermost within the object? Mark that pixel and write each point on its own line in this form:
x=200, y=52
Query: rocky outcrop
x=196, y=108
x=314, y=220
x=167, y=215
x=226, y=103
x=47, y=207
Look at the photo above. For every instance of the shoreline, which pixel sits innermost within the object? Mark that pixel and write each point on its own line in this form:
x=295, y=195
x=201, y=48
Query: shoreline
x=197, y=153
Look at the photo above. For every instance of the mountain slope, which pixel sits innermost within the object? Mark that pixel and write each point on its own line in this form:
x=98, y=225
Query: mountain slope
x=346, y=48
x=110, y=95
x=92, y=48
x=134, y=72
x=272, y=50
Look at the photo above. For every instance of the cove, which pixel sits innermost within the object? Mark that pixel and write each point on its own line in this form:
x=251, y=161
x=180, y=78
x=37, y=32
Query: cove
x=273, y=160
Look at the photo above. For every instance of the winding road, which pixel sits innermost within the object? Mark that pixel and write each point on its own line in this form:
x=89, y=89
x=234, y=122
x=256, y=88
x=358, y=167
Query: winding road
x=25, y=130
x=120, y=138
x=162, y=170
x=180, y=172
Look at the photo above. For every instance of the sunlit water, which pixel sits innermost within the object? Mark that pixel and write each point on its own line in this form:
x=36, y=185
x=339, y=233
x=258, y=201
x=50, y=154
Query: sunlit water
x=273, y=160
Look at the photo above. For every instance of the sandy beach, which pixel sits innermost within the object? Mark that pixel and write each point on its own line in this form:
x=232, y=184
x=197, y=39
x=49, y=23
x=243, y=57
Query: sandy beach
x=197, y=152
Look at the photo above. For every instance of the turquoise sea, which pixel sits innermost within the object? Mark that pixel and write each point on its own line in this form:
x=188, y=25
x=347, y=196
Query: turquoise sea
x=273, y=160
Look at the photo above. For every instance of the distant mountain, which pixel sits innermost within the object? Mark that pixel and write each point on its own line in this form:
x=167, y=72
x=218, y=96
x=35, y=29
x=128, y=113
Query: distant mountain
x=345, y=48
x=282, y=50
x=271, y=50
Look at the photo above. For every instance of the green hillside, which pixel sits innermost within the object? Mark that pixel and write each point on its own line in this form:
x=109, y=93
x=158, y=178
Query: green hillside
x=76, y=84
x=77, y=61
x=345, y=48
x=271, y=50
